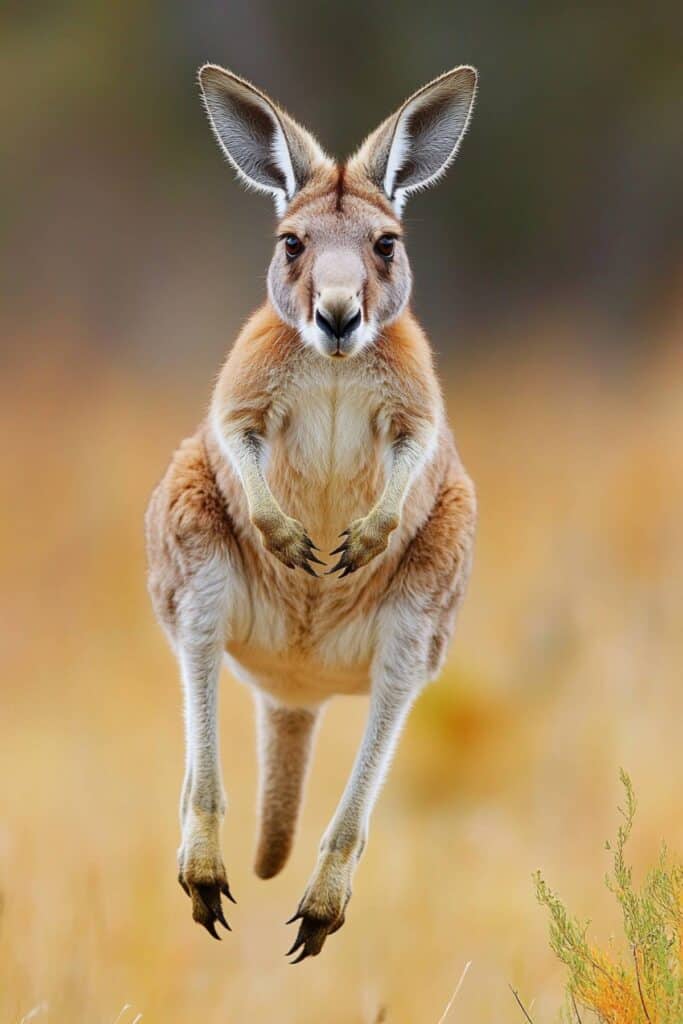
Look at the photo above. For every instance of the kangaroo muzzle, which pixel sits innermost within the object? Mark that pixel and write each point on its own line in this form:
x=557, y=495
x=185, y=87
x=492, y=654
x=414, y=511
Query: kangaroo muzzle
x=338, y=316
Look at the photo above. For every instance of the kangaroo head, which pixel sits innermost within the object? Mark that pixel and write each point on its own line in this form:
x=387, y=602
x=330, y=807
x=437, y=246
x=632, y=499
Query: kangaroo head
x=340, y=271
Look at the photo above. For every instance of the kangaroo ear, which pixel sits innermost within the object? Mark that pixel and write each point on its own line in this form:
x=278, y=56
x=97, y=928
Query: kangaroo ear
x=269, y=151
x=414, y=147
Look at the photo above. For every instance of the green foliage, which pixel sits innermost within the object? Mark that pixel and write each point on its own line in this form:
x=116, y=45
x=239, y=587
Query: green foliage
x=646, y=986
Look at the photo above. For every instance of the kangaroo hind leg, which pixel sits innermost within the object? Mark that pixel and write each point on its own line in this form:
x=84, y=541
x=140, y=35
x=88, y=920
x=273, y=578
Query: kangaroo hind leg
x=194, y=569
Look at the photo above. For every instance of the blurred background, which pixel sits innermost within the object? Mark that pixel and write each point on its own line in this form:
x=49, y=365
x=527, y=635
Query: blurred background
x=549, y=275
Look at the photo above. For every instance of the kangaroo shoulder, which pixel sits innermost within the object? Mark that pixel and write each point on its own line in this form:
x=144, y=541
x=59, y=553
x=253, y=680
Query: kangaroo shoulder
x=187, y=509
x=258, y=360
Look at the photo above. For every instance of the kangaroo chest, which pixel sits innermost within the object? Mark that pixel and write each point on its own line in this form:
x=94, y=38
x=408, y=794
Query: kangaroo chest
x=326, y=464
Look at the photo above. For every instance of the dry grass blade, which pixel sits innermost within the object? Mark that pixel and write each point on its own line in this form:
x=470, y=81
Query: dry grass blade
x=40, y=1008
x=576, y=1009
x=640, y=986
x=457, y=989
x=124, y=1009
x=521, y=1004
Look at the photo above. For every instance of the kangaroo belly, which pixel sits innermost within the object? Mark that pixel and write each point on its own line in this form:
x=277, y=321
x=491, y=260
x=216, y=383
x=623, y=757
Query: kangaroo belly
x=296, y=679
x=305, y=650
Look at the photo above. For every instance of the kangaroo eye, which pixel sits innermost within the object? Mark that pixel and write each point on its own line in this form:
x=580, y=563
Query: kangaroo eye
x=384, y=247
x=293, y=246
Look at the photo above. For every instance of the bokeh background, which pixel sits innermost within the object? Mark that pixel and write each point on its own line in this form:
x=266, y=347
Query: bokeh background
x=549, y=268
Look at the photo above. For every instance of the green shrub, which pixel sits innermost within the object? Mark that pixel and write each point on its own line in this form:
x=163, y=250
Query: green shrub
x=643, y=986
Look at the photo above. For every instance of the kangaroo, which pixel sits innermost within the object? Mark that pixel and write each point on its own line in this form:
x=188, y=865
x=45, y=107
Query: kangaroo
x=326, y=433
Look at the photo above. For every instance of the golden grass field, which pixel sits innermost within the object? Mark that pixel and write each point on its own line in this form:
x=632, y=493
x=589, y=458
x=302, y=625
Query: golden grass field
x=567, y=664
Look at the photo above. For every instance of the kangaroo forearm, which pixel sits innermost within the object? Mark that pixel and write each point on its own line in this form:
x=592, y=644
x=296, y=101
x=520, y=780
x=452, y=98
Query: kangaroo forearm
x=247, y=456
x=240, y=441
x=408, y=455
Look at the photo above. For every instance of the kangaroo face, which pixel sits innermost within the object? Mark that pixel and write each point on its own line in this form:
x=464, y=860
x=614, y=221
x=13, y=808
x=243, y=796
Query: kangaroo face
x=340, y=271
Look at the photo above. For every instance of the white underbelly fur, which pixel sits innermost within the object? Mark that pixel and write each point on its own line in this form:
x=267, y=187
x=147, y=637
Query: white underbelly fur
x=338, y=664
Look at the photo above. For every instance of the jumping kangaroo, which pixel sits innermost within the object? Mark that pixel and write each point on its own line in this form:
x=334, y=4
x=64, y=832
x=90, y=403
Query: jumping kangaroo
x=326, y=425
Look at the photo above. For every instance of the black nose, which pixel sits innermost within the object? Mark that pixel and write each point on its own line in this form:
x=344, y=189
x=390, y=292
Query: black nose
x=337, y=325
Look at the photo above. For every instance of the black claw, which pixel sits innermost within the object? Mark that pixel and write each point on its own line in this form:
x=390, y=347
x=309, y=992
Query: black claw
x=346, y=532
x=220, y=916
x=313, y=558
x=295, y=917
x=342, y=547
x=207, y=906
x=311, y=936
x=306, y=567
x=347, y=571
x=341, y=564
x=298, y=941
x=211, y=929
x=225, y=889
